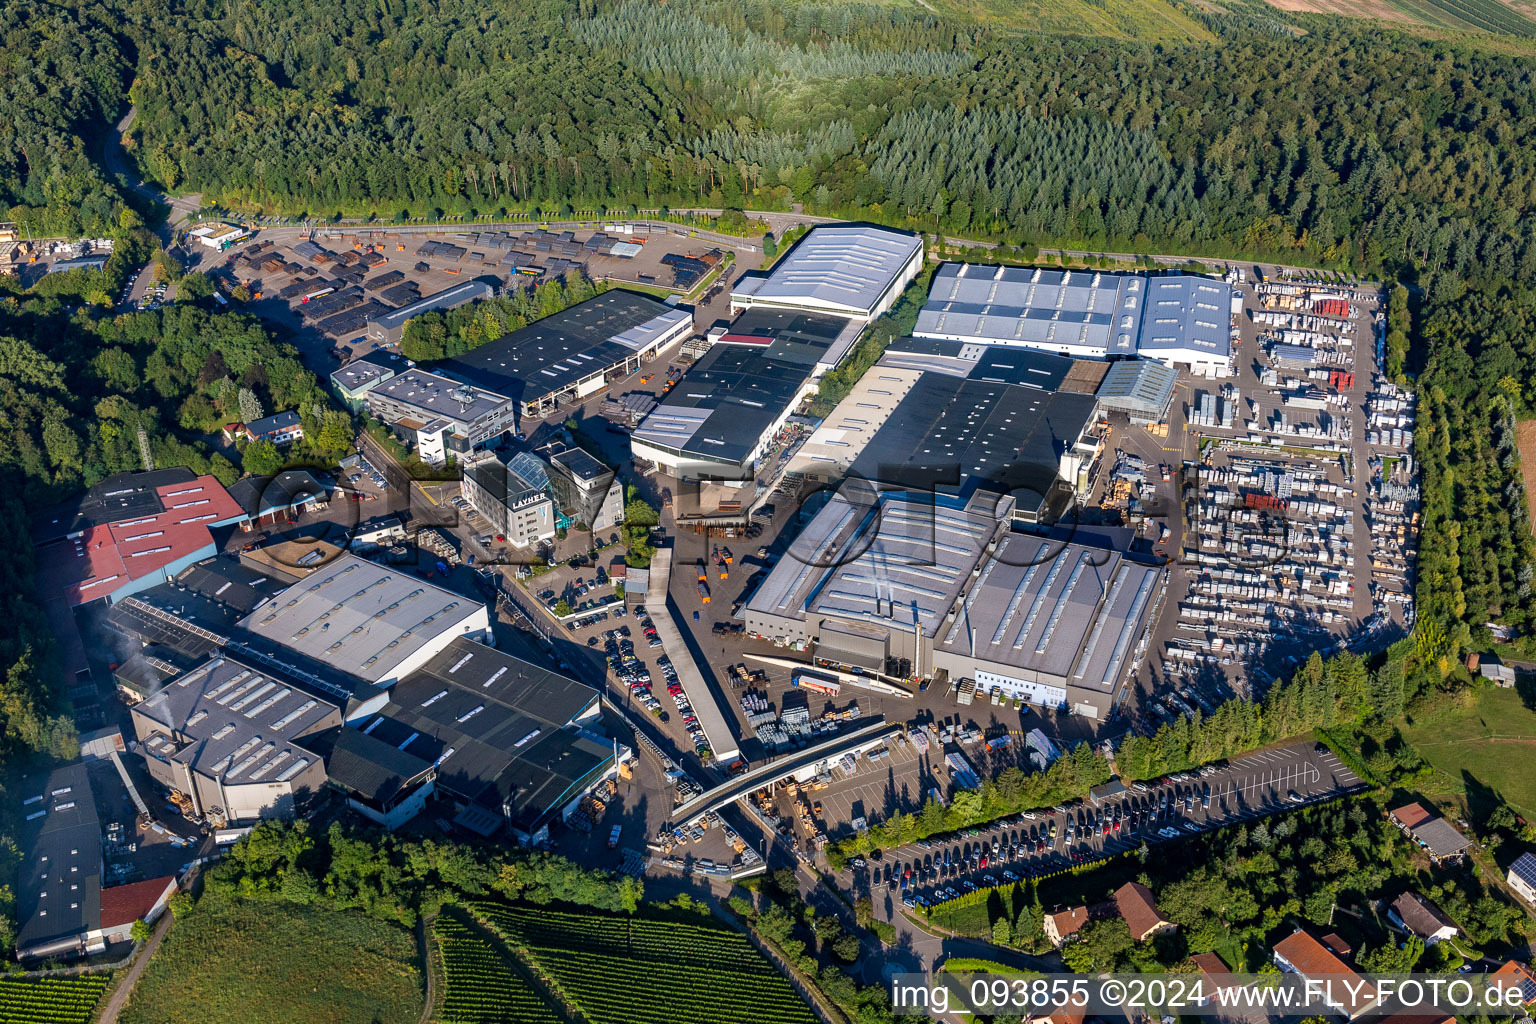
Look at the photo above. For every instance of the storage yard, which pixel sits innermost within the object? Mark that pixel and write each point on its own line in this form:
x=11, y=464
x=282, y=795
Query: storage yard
x=326, y=285
x=1289, y=502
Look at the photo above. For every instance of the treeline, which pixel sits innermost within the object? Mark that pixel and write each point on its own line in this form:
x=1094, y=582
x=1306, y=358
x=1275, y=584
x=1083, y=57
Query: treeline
x=452, y=333
x=1042, y=178
x=1322, y=694
x=1476, y=554
x=397, y=879
x=62, y=75
x=689, y=44
x=1068, y=778
x=1346, y=144
x=824, y=952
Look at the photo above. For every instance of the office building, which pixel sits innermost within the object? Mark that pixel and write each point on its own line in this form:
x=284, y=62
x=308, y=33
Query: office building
x=585, y=490
x=353, y=381
x=440, y=416
x=512, y=495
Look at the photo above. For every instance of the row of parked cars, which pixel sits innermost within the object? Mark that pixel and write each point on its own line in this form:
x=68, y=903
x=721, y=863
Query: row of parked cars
x=1152, y=812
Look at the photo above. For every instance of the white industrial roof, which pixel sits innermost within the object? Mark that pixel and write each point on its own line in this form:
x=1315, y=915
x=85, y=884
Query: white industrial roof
x=360, y=617
x=1178, y=318
x=1055, y=608
x=436, y=395
x=843, y=269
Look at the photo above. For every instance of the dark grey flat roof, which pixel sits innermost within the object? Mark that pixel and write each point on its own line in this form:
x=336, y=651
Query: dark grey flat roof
x=58, y=891
x=498, y=725
x=371, y=768
x=240, y=723
x=458, y=295
x=119, y=497
x=957, y=434
x=723, y=405
x=559, y=350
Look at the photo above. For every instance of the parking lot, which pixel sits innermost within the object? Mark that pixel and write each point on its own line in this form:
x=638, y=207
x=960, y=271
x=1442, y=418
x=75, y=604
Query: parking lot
x=1034, y=844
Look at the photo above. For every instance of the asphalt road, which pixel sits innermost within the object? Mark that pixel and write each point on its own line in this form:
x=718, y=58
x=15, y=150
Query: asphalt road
x=118, y=165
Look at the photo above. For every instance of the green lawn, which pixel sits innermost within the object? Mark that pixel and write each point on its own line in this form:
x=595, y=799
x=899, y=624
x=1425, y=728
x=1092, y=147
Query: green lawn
x=232, y=962
x=1488, y=744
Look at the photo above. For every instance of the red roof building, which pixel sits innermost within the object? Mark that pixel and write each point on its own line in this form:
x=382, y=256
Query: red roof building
x=1301, y=954
x=1139, y=911
x=121, y=905
x=1410, y=816
x=1063, y=924
x=1515, y=976
x=130, y=532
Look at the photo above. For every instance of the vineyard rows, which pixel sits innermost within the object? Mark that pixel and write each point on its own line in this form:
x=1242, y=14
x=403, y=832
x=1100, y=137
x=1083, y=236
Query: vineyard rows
x=479, y=986
x=620, y=970
x=68, y=1000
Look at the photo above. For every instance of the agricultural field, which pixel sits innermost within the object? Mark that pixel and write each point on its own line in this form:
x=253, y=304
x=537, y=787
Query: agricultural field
x=1525, y=443
x=1492, y=16
x=635, y=970
x=1486, y=745
x=51, y=1000
x=479, y=986
x=238, y=962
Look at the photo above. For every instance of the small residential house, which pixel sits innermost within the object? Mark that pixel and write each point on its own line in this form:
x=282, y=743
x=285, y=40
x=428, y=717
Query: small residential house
x=1062, y=925
x=1301, y=954
x=1515, y=975
x=1139, y=911
x=1419, y=916
x=1433, y=833
x=281, y=428
x=1522, y=877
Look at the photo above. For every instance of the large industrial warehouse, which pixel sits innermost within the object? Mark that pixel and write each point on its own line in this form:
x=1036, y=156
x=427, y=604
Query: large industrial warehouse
x=725, y=411
x=855, y=272
x=563, y=358
x=510, y=740
x=1180, y=320
x=942, y=416
x=873, y=579
x=227, y=736
x=918, y=585
x=377, y=622
x=387, y=328
x=1051, y=621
